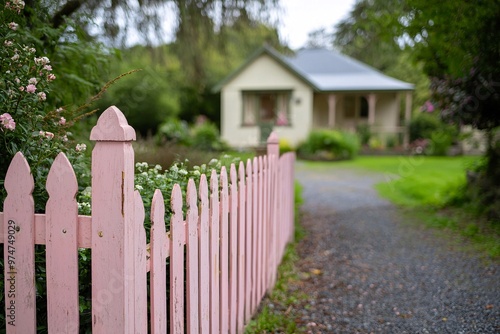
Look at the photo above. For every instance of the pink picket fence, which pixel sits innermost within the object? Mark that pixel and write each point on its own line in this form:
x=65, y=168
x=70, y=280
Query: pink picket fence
x=223, y=254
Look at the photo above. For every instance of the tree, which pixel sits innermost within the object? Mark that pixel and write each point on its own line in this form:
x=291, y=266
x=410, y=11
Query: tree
x=368, y=33
x=459, y=43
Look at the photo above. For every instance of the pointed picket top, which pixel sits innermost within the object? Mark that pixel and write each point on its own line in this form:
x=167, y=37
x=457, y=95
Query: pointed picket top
x=214, y=185
x=273, y=138
x=249, y=167
x=157, y=208
x=203, y=190
x=61, y=172
x=241, y=171
x=191, y=196
x=233, y=175
x=223, y=183
x=18, y=178
x=112, y=126
x=176, y=200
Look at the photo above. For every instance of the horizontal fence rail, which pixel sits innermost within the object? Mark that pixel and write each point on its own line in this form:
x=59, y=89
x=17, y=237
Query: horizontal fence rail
x=207, y=274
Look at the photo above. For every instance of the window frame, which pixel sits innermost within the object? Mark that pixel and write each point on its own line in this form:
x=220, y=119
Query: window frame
x=254, y=97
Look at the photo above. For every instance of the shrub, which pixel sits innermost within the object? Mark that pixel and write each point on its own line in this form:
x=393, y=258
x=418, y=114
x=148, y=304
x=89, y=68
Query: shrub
x=330, y=145
x=423, y=125
x=364, y=133
x=174, y=130
x=205, y=136
x=440, y=142
x=285, y=146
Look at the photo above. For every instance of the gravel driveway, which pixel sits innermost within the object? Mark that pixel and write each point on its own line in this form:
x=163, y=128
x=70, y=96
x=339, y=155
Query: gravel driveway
x=365, y=270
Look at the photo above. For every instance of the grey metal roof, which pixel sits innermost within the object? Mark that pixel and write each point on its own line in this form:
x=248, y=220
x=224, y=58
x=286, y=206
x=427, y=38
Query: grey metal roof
x=329, y=70
x=326, y=71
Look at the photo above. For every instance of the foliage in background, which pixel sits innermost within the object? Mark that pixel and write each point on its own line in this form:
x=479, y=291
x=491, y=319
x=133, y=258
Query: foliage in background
x=329, y=145
x=458, y=43
x=206, y=138
x=433, y=135
x=150, y=95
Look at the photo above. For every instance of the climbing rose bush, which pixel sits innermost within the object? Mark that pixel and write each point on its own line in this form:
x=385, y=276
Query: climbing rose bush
x=30, y=122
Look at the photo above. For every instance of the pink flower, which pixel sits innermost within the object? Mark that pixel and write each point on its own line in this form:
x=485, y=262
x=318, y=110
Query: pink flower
x=47, y=134
x=13, y=25
x=7, y=43
x=21, y=88
x=58, y=110
x=428, y=106
x=51, y=77
x=42, y=96
x=47, y=67
x=33, y=81
x=15, y=57
x=62, y=121
x=7, y=121
x=31, y=88
x=65, y=138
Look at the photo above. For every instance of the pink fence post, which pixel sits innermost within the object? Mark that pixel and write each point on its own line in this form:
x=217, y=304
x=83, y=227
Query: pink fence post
x=192, y=260
x=264, y=226
x=19, y=251
x=113, y=258
x=233, y=251
x=158, y=274
x=214, y=253
x=62, y=248
x=254, y=223
x=260, y=225
x=224, y=252
x=141, y=276
x=242, y=253
x=249, y=244
x=273, y=152
x=178, y=239
x=204, y=259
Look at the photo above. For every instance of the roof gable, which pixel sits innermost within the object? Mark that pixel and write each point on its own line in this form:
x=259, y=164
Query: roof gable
x=264, y=50
x=327, y=71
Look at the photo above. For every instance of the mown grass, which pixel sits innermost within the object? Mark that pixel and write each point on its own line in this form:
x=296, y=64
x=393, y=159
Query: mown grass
x=276, y=314
x=430, y=189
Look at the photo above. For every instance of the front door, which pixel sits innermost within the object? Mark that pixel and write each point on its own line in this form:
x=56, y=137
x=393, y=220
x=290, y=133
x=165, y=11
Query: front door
x=267, y=115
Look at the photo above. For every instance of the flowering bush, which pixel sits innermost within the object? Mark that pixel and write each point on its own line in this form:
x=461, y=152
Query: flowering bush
x=29, y=122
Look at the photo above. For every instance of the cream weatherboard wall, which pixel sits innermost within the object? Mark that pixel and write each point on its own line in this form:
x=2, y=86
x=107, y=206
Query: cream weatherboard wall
x=264, y=74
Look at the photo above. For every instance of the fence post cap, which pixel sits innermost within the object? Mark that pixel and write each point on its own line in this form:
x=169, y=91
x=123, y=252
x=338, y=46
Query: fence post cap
x=112, y=126
x=273, y=138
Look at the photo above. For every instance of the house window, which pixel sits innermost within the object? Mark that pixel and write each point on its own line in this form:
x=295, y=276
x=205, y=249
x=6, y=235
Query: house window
x=266, y=108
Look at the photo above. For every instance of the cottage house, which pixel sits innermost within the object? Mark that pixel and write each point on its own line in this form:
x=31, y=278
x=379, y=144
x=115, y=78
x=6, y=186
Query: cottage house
x=313, y=89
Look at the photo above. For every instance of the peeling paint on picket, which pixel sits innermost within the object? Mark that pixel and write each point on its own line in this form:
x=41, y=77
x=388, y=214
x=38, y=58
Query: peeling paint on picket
x=218, y=260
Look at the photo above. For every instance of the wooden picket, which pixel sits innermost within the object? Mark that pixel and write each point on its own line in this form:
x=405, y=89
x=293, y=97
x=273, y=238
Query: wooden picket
x=221, y=256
